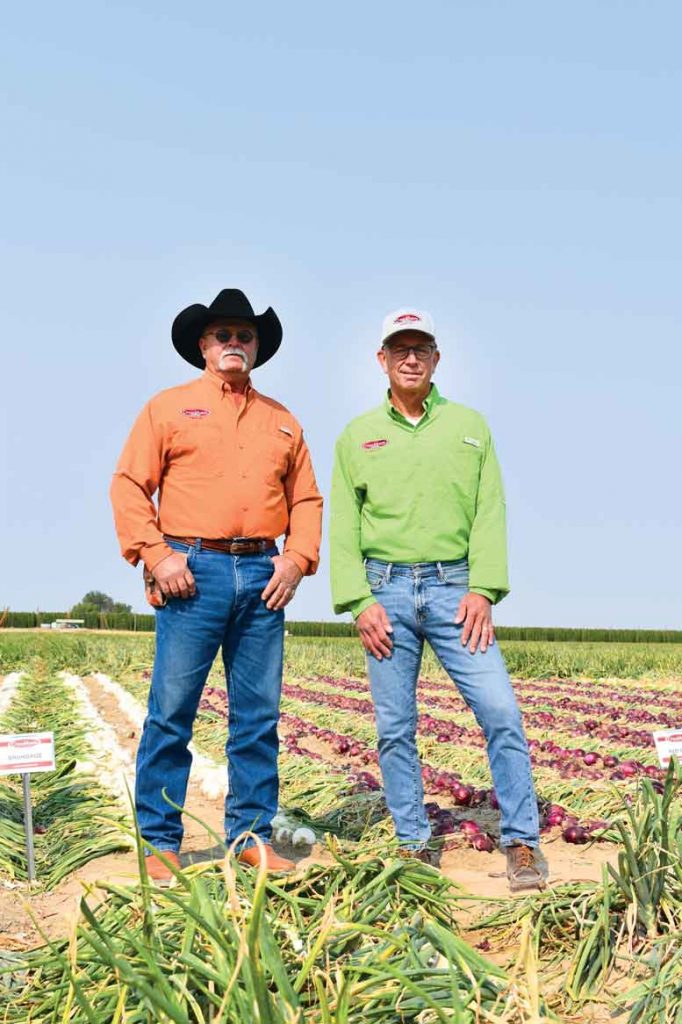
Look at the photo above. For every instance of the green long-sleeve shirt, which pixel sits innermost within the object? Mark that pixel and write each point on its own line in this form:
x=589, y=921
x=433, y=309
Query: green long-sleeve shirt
x=425, y=493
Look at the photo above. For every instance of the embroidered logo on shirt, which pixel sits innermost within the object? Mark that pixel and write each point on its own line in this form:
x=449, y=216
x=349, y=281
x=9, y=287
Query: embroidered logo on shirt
x=472, y=440
x=371, y=445
x=285, y=430
x=195, y=414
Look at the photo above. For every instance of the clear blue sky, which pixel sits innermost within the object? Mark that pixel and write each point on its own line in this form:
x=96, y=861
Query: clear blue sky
x=514, y=168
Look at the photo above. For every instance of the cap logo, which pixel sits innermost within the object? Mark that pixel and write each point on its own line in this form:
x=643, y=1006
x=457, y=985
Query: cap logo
x=407, y=318
x=195, y=414
x=371, y=445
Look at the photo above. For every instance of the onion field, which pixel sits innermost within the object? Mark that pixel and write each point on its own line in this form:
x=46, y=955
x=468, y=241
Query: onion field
x=355, y=933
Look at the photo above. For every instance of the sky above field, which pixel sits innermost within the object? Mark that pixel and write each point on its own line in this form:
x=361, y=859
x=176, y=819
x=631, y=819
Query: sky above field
x=515, y=169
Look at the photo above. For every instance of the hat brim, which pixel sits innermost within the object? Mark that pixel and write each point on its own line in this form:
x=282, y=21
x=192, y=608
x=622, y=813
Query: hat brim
x=189, y=325
x=402, y=330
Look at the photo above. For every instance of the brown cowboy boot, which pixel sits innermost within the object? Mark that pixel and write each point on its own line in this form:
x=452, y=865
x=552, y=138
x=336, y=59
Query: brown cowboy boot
x=273, y=862
x=159, y=872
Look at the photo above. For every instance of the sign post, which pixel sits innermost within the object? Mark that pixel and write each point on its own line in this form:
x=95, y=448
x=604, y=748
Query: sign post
x=22, y=754
x=28, y=826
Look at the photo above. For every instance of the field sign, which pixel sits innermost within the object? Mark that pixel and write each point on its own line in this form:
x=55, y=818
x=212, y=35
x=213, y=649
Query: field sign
x=26, y=752
x=668, y=744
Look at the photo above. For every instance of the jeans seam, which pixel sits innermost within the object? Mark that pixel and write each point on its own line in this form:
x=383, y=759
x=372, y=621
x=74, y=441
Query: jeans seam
x=415, y=768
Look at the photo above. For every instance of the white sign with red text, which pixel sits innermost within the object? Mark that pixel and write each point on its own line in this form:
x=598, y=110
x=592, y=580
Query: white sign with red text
x=26, y=752
x=668, y=744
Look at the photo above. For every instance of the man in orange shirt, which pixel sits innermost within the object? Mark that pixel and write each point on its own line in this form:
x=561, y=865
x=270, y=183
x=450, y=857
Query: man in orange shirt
x=232, y=473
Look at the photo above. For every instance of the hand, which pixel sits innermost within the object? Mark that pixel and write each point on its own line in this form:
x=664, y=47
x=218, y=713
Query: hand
x=282, y=584
x=374, y=627
x=474, y=611
x=173, y=576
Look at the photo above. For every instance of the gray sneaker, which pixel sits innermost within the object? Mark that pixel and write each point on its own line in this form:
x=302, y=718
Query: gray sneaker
x=522, y=869
x=425, y=855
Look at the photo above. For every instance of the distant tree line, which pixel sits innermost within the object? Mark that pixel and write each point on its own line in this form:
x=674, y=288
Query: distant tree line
x=121, y=617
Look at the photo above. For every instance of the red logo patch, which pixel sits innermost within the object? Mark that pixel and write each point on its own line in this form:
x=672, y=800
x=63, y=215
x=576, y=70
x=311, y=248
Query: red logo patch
x=370, y=445
x=195, y=414
x=407, y=318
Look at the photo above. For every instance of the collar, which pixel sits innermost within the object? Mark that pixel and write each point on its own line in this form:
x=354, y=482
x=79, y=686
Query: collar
x=213, y=380
x=433, y=398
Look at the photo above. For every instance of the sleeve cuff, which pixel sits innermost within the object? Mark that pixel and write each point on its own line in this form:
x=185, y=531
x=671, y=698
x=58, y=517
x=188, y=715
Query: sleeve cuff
x=359, y=606
x=155, y=553
x=307, y=568
x=492, y=595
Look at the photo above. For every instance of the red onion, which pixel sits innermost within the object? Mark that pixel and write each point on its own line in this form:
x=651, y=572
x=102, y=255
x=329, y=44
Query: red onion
x=575, y=834
x=478, y=797
x=443, y=827
x=462, y=795
x=590, y=759
x=469, y=827
x=483, y=843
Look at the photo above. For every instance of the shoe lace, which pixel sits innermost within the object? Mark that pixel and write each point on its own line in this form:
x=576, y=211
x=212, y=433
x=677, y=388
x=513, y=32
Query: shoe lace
x=523, y=857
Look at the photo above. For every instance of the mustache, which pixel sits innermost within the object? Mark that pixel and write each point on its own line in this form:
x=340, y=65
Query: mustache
x=235, y=352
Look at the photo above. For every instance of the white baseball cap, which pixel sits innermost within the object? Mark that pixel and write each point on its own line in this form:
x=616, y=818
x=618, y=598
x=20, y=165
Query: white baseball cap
x=407, y=320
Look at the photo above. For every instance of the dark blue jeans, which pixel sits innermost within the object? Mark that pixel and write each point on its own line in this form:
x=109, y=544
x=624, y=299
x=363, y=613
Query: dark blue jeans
x=421, y=601
x=227, y=611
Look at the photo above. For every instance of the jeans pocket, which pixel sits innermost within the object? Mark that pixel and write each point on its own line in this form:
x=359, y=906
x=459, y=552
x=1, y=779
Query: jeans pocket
x=376, y=579
x=456, y=578
x=184, y=549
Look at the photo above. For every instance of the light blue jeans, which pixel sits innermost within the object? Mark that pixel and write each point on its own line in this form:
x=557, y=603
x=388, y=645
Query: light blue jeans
x=421, y=601
x=227, y=611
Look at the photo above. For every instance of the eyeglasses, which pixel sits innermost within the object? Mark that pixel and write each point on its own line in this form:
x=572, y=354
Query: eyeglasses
x=223, y=334
x=401, y=352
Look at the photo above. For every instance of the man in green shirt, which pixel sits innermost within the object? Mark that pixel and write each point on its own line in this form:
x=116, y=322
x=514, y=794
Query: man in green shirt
x=418, y=552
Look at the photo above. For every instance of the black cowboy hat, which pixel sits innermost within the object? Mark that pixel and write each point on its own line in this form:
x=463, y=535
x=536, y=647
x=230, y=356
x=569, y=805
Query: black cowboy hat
x=189, y=325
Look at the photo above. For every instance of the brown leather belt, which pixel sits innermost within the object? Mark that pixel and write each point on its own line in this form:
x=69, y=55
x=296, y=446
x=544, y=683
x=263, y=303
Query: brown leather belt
x=229, y=545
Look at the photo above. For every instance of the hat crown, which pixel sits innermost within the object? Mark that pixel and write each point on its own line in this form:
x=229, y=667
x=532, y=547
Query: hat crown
x=231, y=302
x=407, y=319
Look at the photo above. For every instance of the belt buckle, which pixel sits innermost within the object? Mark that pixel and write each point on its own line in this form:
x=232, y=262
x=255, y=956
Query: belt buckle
x=239, y=543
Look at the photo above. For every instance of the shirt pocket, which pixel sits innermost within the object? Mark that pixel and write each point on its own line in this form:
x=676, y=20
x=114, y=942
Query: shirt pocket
x=199, y=447
x=279, y=452
x=464, y=466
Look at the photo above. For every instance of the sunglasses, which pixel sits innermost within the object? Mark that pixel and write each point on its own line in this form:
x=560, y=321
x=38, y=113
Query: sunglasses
x=401, y=352
x=223, y=334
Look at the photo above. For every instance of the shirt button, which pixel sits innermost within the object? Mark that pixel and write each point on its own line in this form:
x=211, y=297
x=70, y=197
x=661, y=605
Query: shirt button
x=245, y=508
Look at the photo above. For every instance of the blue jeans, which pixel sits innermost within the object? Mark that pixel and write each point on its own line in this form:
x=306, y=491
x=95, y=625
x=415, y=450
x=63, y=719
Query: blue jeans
x=226, y=611
x=421, y=601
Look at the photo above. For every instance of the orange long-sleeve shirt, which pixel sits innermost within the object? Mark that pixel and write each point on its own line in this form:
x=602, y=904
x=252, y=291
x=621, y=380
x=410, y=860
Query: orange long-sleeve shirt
x=224, y=466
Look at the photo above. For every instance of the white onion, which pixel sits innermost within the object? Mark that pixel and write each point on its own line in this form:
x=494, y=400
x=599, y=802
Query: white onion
x=303, y=837
x=283, y=834
x=211, y=776
x=8, y=689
